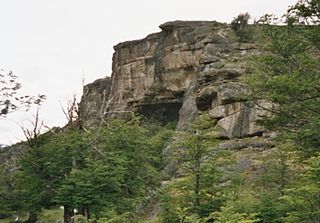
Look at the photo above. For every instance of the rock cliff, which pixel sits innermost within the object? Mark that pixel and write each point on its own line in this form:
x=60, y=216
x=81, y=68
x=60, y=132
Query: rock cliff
x=186, y=69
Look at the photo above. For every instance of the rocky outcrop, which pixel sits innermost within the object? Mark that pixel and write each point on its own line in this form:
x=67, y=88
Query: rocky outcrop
x=186, y=69
x=93, y=102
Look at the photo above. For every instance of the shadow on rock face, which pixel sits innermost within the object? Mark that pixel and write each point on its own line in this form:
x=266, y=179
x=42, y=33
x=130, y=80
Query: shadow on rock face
x=163, y=112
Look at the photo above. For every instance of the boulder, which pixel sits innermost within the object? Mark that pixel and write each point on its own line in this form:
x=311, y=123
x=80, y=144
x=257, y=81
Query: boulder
x=204, y=98
x=239, y=119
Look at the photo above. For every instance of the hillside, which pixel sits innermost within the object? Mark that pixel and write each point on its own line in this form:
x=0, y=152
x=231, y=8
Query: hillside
x=201, y=122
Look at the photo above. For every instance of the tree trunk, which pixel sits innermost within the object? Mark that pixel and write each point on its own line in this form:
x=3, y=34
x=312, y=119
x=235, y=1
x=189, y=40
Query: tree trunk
x=85, y=211
x=67, y=214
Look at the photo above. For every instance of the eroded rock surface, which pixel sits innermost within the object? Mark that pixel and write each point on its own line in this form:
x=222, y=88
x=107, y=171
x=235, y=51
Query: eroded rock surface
x=93, y=102
x=173, y=75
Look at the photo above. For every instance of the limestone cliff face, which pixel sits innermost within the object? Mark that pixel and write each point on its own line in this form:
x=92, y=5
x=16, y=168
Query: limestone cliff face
x=93, y=100
x=173, y=75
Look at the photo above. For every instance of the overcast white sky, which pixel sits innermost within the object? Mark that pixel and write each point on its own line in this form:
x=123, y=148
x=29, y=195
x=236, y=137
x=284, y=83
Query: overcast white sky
x=53, y=44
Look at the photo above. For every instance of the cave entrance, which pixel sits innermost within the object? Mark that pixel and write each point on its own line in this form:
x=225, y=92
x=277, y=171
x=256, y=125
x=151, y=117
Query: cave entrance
x=162, y=112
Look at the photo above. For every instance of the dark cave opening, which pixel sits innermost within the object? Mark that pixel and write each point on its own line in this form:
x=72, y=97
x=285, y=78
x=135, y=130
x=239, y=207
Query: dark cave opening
x=162, y=112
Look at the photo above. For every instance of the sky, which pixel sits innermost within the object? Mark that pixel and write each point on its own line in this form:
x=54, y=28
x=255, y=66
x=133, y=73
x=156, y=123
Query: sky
x=54, y=46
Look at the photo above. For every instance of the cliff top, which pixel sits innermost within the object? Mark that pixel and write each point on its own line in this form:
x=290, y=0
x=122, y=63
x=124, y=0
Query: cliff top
x=167, y=26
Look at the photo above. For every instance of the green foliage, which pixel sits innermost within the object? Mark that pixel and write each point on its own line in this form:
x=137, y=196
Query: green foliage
x=279, y=168
x=80, y=219
x=169, y=208
x=45, y=166
x=50, y=215
x=206, y=186
x=288, y=77
x=102, y=173
x=115, y=217
x=9, y=194
x=196, y=148
x=303, y=197
x=240, y=26
x=131, y=143
x=306, y=13
x=228, y=214
x=109, y=173
x=93, y=192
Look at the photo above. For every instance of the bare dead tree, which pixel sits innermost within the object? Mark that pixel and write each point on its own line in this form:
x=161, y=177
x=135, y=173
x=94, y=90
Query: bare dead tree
x=36, y=128
x=72, y=113
x=106, y=108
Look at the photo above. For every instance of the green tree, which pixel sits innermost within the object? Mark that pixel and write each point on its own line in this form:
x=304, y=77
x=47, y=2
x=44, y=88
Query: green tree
x=9, y=194
x=102, y=173
x=303, y=198
x=228, y=214
x=205, y=168
x=279, y=169
x=95, y=188
x=43, y=167
x=195, y=147
x=287, y=76
x=122, y=168
x=306, y=13
x=139, y=151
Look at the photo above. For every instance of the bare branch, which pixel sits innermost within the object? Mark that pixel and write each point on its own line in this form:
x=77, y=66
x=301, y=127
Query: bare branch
x=35, y=130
